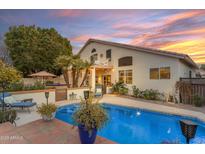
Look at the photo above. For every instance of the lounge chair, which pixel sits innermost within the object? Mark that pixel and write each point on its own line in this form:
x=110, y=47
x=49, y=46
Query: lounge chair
x=12, y=103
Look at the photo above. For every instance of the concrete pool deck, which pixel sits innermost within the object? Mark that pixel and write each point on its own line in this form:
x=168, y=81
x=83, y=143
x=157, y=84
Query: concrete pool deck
x=183, y=110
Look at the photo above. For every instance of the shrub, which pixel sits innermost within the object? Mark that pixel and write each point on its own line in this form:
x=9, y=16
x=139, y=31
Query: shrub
x=20, y=86
x=198, y=101
x=47, y=109
x=49, y=82
x=90, y=115
x=120, y=88
x=136, y=92
x=123, y=90
x=149, y=94
x=8, y=116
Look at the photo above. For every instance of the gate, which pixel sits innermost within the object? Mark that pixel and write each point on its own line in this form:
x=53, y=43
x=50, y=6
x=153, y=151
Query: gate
x=61, y=94
x=197, y=87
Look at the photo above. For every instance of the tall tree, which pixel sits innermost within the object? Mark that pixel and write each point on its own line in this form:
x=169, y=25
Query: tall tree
x=8, y=75
x=34, y=49
x=4, y=55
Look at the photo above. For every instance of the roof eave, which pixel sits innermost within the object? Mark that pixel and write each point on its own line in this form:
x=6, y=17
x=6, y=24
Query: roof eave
x=184, y=57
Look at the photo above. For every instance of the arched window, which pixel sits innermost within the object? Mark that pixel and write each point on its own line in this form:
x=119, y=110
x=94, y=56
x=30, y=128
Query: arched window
x=125, y=61
x=93, y=51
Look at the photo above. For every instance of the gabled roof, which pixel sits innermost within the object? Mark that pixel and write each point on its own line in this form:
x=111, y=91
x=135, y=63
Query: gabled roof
x=185, y=58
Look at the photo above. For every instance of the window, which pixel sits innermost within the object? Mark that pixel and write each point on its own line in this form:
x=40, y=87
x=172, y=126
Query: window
x=160, y=73
x=121, y=76
x=125, y=61
x=128, y=76
x=93, y=51
x=125, y=76
x=154, y=73
x=93, y=58
x=108, y=54
x=165, y=73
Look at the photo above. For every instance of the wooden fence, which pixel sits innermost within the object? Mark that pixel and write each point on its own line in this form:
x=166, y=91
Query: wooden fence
x=197, y=87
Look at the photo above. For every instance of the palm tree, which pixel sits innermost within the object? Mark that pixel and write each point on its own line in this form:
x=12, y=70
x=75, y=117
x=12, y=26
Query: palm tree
x=64, y=62
x=86, y=67
x=76, y=65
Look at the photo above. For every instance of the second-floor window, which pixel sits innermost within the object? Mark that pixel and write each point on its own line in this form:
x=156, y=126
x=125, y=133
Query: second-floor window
x=125, y=61
x=109, y=54
x=93, y=51
x=93, y=58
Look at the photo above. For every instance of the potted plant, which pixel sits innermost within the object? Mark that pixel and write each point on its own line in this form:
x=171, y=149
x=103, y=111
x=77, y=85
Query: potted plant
x=8, y=116
x=89, y=118
x=47, y=111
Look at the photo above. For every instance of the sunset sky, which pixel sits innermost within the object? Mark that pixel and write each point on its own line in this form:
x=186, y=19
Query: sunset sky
x=180, y=31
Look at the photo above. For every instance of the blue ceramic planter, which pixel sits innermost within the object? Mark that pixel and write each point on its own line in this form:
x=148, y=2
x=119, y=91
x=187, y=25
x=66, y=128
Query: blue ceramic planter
x=85, y=137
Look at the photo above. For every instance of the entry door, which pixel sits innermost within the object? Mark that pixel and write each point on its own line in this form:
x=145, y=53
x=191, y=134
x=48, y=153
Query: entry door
x=106, y=82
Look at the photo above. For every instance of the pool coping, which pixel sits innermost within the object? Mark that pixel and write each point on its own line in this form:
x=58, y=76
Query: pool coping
x=157, y=112
x=135, y=104
x=196, y=115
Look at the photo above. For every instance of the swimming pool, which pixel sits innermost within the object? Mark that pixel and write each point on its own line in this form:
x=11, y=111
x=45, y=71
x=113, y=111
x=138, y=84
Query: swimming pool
x=132, y=125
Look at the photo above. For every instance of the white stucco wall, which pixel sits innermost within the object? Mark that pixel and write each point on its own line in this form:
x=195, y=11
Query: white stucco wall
x=78, y=91
x=142, y=62
x=184, y=70
x=37, y=95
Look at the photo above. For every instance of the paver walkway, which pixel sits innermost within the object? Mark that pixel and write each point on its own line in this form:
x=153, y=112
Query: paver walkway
x=41, y=132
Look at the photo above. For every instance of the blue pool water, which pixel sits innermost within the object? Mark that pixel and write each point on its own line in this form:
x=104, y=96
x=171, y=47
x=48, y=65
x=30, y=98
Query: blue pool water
x=131, y=125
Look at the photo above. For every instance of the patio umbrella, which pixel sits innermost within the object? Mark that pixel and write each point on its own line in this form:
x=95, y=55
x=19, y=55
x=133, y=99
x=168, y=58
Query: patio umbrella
x=42, y=74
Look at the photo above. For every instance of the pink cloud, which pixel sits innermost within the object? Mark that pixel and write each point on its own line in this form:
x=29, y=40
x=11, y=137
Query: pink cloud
x=136, y=26
x=83, y=38
x=68, y=13
x=184, y=15
x=122, y=34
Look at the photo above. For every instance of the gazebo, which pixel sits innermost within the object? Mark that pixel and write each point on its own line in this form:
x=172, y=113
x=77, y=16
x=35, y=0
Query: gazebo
x=42, y=75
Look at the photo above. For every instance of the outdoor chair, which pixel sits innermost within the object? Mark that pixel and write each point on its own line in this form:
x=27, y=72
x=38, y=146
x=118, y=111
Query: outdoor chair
x=10, y=102
x=72, y=97
x=98, y=91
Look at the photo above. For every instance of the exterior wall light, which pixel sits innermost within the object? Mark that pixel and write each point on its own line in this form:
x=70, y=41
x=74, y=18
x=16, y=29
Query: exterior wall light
x=47, y=96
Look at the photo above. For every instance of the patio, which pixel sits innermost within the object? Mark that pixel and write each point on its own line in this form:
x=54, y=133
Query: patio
x=31, y=129
x=40, y=132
